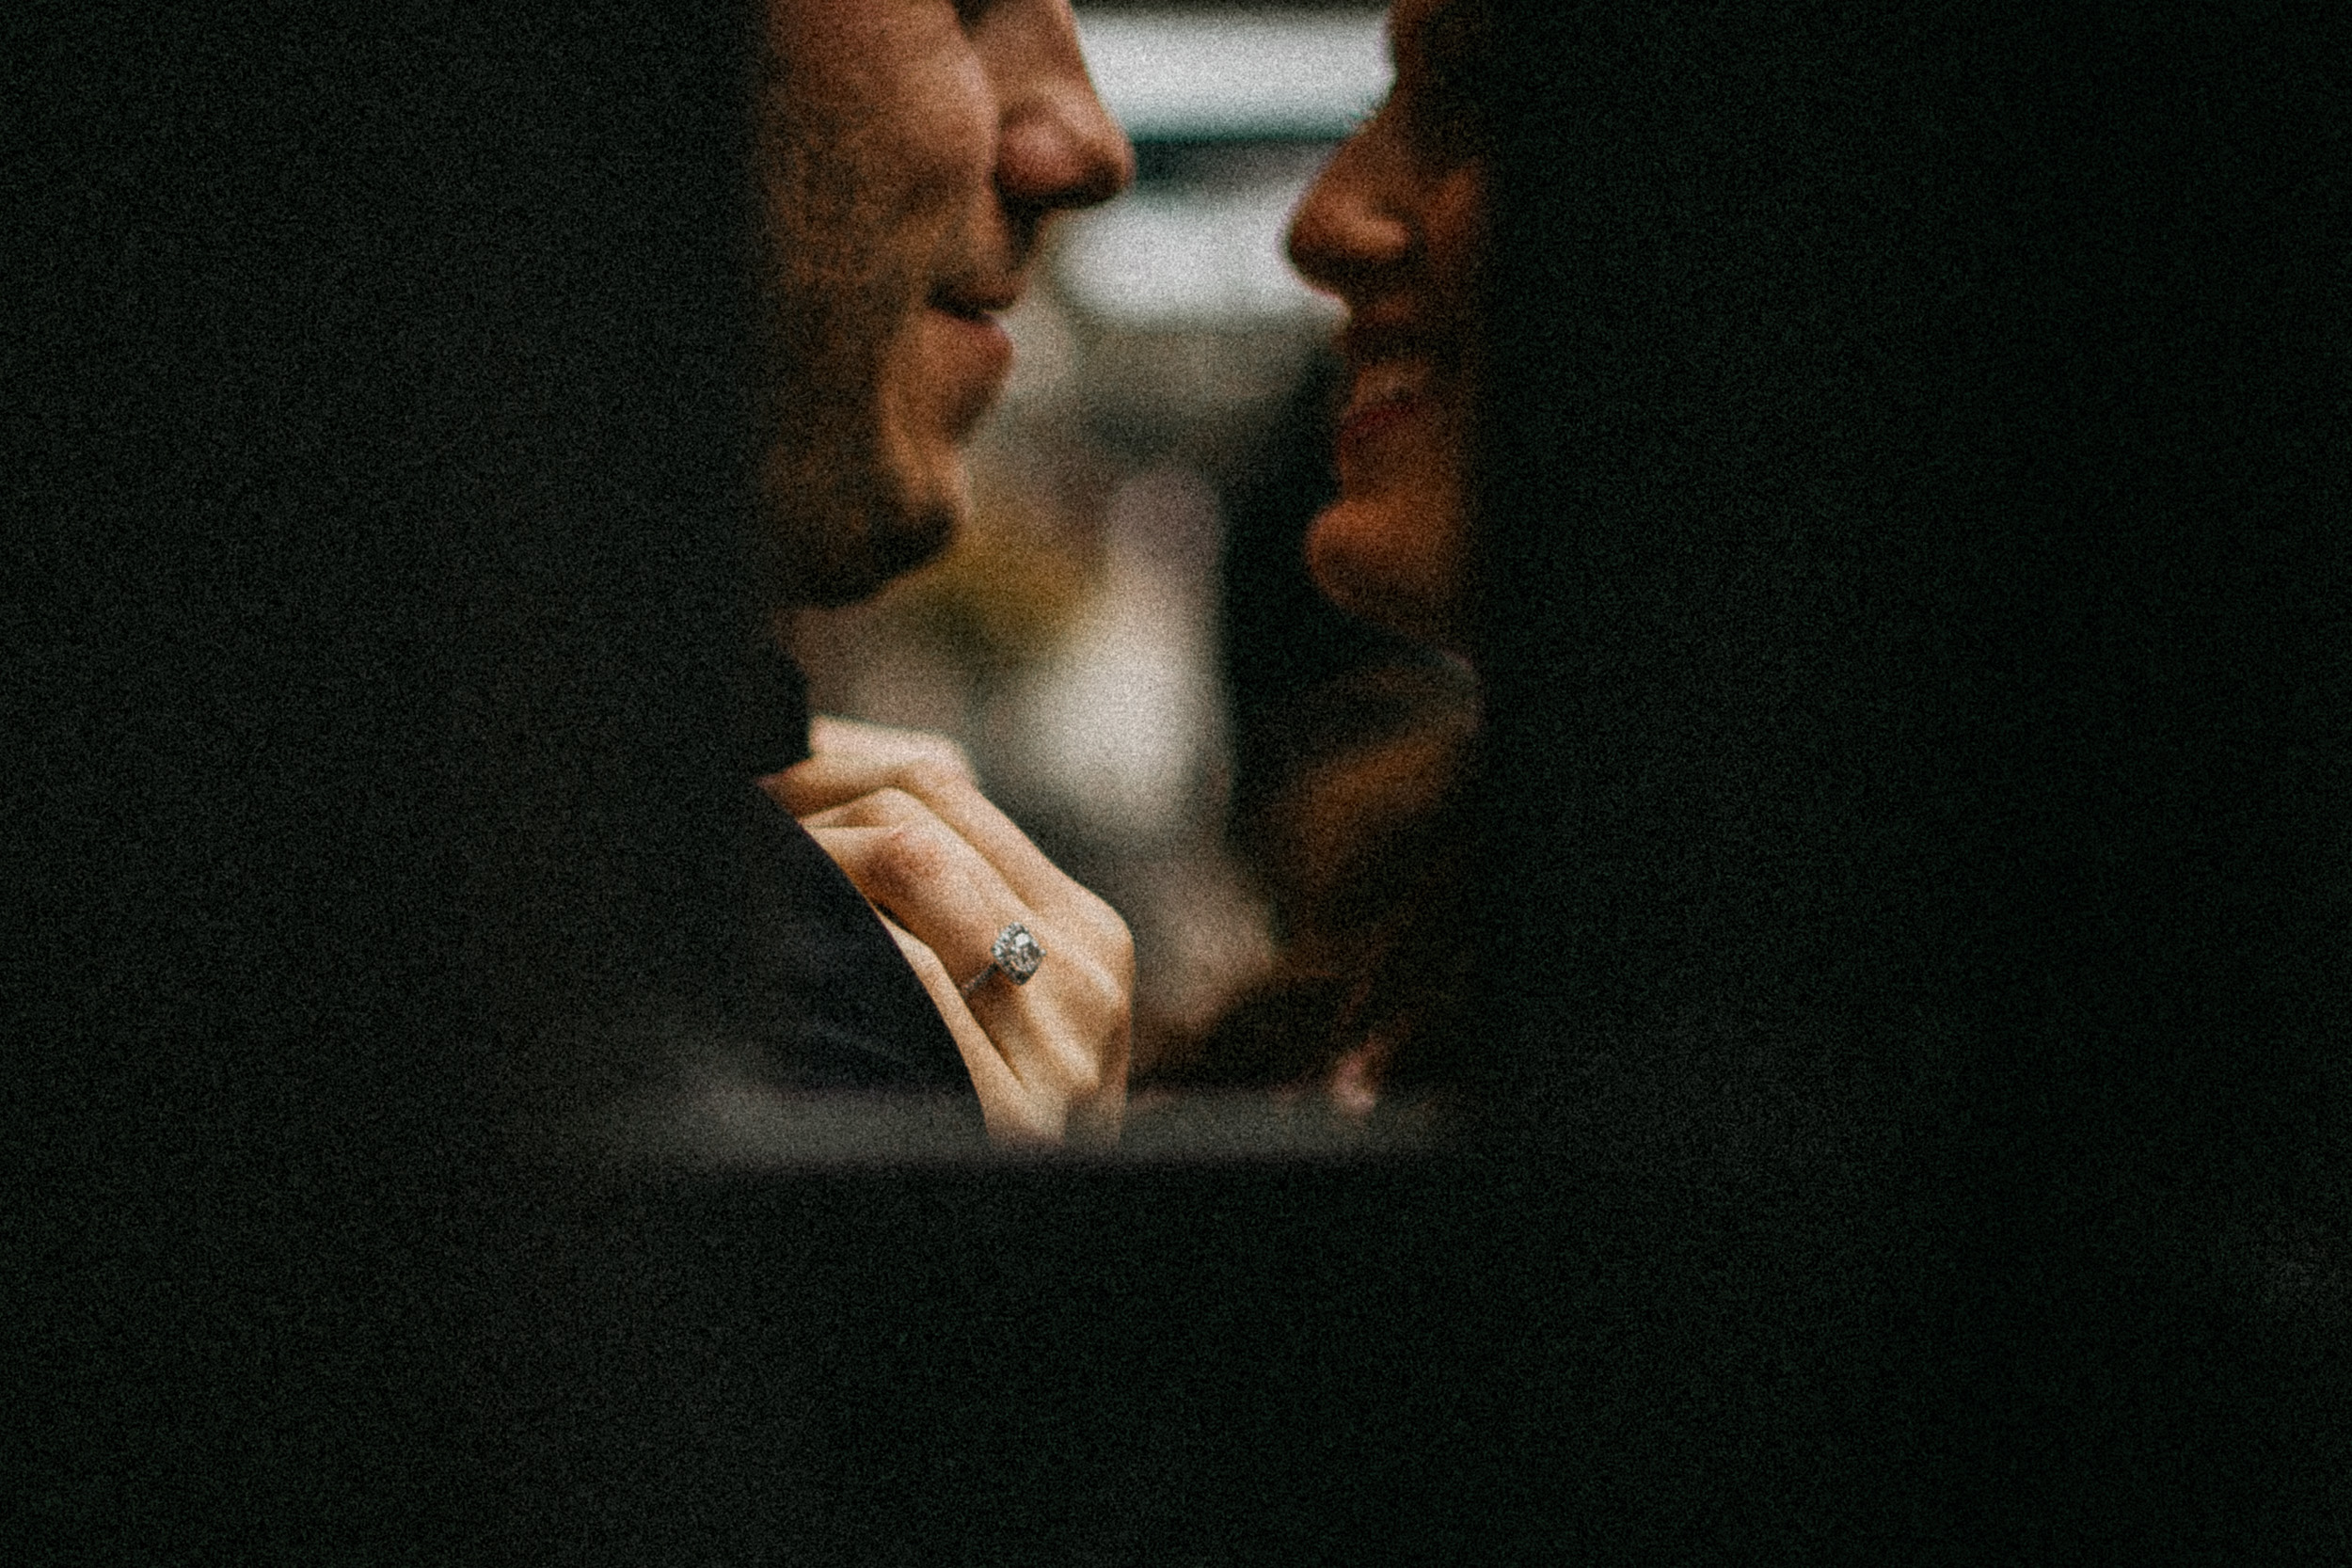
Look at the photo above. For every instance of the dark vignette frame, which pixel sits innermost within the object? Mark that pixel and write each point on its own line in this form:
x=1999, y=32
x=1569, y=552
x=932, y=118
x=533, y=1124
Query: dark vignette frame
x=1879, y=914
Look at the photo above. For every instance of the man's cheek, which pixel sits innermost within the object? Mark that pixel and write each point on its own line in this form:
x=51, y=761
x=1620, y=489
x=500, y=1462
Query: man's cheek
x=947, y=122
x=924, y=422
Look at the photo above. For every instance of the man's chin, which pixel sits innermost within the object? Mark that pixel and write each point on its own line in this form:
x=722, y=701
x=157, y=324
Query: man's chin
x=845, y=517
x=868, y=555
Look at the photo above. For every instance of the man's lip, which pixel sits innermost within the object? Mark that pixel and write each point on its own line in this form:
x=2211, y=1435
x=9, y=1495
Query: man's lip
x=981, y=352
x=975, y=305
x=981, y=330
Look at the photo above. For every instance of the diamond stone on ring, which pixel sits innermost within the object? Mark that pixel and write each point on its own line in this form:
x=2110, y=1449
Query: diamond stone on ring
x=1014, y=952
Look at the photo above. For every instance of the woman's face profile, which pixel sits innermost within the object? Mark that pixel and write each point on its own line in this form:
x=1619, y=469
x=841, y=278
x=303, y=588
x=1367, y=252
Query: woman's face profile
x=1395, y=227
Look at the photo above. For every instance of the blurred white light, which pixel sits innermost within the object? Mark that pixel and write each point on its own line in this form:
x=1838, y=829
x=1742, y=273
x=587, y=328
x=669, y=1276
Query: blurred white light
x=1180, y=74
x=1185, y=256
x=1121, y=726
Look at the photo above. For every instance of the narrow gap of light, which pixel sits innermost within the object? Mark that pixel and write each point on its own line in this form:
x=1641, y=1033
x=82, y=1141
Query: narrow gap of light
x=1176, y=74
x=1179, y=256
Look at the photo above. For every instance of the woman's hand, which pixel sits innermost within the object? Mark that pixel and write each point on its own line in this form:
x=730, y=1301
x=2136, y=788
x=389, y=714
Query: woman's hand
x=902, y=814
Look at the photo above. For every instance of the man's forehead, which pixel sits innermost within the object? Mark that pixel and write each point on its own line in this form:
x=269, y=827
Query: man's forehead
x=866, y=33
x=845, y=8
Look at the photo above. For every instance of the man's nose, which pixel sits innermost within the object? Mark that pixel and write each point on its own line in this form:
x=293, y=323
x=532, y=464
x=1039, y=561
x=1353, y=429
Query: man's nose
x=1057, y=146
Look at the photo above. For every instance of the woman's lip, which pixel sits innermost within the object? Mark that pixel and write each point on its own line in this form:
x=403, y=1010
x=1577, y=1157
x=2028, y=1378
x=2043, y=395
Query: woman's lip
x=1360, y=428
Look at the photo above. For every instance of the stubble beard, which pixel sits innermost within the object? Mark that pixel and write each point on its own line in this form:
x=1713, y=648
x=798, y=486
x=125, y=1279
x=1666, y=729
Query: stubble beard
x=835, y=293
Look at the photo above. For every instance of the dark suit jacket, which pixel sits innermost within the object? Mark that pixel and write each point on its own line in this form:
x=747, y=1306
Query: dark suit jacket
x=837, y=1007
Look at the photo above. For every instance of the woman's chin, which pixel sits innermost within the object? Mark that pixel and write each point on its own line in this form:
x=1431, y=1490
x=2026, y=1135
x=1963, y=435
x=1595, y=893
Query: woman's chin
x=1394, y=562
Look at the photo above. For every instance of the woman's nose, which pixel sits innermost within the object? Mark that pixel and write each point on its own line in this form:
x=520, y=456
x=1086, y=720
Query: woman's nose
x=1347, y=229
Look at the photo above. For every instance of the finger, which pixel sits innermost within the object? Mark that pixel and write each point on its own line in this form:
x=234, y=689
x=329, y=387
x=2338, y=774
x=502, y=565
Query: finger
x=913, y=868
x=954, y=796
x=1064, y=1035
x=1040, y=1054
x=1011, y=1115
x=828, y=735
x=1045, y=888
x=827, y=782
x=929, y=880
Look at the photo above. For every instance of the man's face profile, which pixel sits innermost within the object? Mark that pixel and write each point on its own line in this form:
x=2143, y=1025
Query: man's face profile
x=909, y=154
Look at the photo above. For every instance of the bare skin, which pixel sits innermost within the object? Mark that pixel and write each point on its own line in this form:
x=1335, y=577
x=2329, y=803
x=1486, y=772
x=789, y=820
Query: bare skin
x=1395, y=225
x=901, y=814
x=911, y=154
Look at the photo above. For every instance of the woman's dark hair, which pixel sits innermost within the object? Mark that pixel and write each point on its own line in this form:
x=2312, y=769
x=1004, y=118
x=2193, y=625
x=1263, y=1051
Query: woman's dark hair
x=1455, y=108
x=1352, y=756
